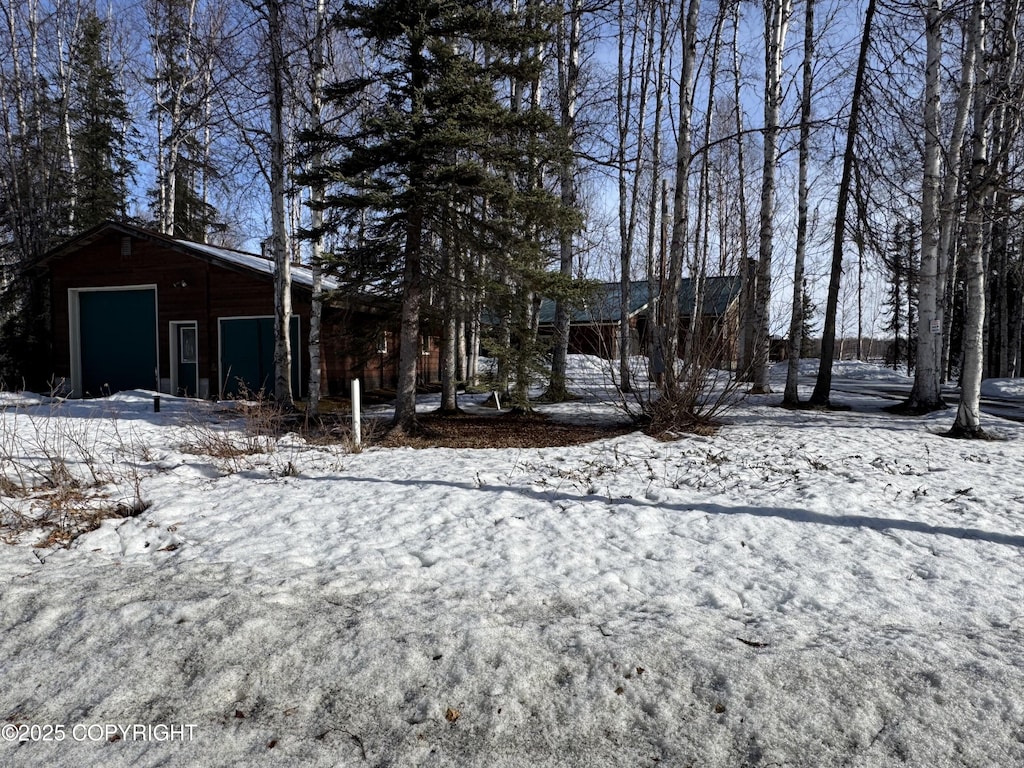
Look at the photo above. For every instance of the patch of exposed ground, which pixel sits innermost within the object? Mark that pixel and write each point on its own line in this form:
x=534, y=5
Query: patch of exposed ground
x=505, y=430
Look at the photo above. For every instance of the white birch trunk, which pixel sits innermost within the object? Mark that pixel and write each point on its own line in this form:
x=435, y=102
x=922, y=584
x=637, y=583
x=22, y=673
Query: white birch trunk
x=968, y=415
x=777, y=13
x=926, y=394
x=64, y=67
x=19, y=88
x=316, y=215
x=279, y=225
x=172, y=118
x=949, y=208
x=681, y=195
x=460, y=338
x=791, y=395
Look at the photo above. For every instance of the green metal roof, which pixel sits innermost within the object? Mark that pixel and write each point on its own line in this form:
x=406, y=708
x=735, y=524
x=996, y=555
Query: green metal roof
x=602, y=306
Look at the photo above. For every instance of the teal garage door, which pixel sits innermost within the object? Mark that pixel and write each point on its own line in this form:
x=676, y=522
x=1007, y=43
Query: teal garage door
x=247, y=356
x=117, y=333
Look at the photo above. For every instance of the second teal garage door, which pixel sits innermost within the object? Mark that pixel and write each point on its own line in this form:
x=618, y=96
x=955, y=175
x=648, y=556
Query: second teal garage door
x=247, y=356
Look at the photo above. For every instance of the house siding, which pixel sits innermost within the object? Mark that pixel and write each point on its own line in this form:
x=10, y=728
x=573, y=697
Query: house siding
x=190, y=287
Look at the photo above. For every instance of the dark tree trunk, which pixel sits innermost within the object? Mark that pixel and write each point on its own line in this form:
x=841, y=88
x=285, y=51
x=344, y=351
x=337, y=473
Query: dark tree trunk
x=823, y=384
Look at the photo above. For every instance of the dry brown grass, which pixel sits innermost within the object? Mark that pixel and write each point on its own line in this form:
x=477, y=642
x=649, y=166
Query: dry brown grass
x=58, y=479
x=61, y=513
x=9, y=488
x=503, y=430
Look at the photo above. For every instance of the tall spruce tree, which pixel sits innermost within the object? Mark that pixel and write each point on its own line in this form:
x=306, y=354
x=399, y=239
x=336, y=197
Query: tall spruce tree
x=438, y=149
x=901, y=266
x=35, y=204
x=98, y=117
x=808, y=324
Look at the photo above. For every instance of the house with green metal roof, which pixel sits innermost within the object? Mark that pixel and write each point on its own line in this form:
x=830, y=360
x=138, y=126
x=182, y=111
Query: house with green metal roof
x=594, y=321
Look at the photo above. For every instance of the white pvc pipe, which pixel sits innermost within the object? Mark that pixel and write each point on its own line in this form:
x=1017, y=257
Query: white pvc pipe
x=357, y=427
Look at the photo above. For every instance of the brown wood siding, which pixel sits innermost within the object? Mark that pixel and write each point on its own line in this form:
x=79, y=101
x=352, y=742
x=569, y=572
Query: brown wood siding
x=598, y=340
x=350, y=342
x=188, y=288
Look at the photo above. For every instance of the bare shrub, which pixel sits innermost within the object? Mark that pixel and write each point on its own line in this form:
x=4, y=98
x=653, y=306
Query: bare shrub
x=9, y=488
x=702, y=393
x=373, y=431
x=261, y=427
x=204, y=438
x=55, y=479
x=258, y=424
x=695, y=405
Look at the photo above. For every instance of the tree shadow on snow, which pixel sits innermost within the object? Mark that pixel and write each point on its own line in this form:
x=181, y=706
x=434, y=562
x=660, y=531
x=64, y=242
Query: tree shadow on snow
x=783, y=513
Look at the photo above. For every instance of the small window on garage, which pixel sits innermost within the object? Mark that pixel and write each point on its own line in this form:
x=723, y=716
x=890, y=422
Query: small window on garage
x=187, y=346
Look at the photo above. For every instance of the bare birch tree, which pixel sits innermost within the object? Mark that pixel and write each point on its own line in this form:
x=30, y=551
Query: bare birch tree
x=926, y=394
x=950, y=204
x=631, y=127
x=776, y=25
x=791, y=394
x=702, y=230
x=745, y=352
x=278, y=218
x=968, y=415
x=998, y=93
x=681, y=194
x=657, y=229
x=174, y=81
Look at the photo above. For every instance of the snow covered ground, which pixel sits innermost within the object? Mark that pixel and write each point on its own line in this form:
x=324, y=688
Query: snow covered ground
x=800, y=589
x=1007, y=389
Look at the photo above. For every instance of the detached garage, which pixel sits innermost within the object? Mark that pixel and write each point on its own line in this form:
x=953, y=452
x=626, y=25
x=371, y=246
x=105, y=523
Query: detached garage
x=135, y=309
x=139, y=310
